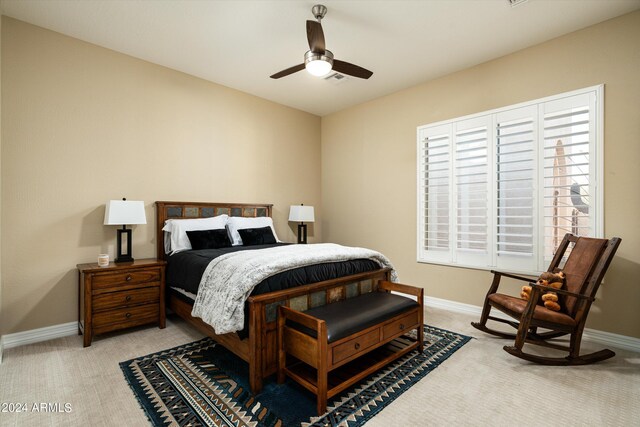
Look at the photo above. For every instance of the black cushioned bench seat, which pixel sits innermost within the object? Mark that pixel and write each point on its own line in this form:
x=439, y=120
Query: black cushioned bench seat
x=349, y=316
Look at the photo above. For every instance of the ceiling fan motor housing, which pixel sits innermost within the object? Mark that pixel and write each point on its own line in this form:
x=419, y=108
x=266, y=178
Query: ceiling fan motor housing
x=327, y=56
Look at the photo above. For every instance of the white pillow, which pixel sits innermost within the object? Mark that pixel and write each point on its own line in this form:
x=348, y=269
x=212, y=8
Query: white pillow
x=178, y=230
x=236, y=223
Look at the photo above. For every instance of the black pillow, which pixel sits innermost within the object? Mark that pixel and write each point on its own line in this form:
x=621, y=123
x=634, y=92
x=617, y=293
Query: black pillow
x=257, y=236
x=209, y=239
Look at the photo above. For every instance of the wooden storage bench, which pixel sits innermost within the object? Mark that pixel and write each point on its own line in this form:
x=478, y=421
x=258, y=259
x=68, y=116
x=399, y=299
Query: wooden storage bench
x=336, y=345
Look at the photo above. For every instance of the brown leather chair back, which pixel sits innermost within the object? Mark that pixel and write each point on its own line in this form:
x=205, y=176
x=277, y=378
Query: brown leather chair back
x=580, y=266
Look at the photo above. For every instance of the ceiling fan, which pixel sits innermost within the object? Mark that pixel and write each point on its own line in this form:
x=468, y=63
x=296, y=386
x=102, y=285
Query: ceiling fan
x=319, y=61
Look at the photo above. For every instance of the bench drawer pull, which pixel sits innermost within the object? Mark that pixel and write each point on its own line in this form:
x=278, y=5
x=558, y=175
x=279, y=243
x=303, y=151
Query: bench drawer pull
x=402, y=326
x=128, y=298
x=128, y=279
x=357, y=346
x=128, y=315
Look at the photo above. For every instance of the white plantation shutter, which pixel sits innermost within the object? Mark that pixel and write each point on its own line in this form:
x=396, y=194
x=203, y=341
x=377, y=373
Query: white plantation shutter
x=516, y=134
x=435, y=192
x=471, y=190
x=568, y=169
x=501, y=188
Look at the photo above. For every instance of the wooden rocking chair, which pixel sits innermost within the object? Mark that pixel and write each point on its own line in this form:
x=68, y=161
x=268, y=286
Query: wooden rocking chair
x=584, y=270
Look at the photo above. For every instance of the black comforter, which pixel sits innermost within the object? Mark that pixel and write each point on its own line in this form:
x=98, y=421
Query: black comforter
x=185, y=269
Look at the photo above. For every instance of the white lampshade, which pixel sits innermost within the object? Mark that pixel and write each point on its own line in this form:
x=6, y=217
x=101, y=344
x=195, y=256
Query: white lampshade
x=124, y=212
x=301, y=213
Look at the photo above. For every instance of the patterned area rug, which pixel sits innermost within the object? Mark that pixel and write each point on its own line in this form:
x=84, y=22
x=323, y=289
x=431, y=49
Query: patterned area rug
x=202, y=383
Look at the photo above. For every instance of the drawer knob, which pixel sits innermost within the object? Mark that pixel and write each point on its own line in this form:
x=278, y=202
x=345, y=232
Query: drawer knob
x=128, y=279
x=357, y=346
x=128, y=315
x=402, y=326
x=128, y=298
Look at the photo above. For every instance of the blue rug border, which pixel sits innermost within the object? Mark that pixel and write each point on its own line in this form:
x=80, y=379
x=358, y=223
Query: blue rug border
x=154, y=417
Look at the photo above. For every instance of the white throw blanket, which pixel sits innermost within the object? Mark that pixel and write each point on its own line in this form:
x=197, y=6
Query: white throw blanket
x=230, y=278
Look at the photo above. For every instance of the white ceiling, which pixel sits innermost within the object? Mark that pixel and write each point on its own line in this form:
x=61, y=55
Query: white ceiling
x=240, y=43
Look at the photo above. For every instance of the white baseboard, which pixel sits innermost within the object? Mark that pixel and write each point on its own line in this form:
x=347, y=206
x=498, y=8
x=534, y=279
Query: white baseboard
x=610, y=339
x=40, y=334
x=606, y=338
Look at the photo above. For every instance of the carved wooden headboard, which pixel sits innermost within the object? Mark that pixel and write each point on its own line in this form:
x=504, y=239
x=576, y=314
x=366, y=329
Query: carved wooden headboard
x=187, y=210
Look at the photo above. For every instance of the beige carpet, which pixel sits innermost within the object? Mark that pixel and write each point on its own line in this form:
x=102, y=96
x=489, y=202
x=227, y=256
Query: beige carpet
x=479, y=385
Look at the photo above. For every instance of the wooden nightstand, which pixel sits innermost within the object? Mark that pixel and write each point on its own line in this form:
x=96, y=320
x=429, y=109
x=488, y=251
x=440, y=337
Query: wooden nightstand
x=120, y=296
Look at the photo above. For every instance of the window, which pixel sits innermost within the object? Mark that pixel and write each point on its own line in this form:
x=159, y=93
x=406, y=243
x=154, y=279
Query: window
x=501, y=188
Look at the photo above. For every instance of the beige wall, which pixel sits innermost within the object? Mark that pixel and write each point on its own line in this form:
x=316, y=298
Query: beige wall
x=83, y=125
x=369, y=159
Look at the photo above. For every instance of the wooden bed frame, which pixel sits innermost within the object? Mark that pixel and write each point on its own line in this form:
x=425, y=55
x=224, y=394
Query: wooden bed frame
x=259, y=350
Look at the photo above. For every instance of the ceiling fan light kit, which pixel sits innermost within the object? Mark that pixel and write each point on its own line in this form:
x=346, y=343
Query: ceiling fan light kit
x=319, y=61
x=318, y=64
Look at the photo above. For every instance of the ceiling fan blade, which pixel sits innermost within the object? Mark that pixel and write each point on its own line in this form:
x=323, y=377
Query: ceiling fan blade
x=315, y=36
x=351, y=69
x=288, y=71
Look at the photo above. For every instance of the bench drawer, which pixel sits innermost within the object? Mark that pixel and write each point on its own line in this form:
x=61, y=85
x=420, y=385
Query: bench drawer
x=401, y=325
x=355, y=345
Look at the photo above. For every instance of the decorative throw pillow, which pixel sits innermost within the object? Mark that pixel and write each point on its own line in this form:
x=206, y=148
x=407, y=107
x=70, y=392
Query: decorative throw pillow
x=209, y=239
x=236, y=223
x=177, y=228
x=257, y=236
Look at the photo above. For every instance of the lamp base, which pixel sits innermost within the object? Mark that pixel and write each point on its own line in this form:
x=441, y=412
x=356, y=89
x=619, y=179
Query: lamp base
x=123, y=257
x=302, y=233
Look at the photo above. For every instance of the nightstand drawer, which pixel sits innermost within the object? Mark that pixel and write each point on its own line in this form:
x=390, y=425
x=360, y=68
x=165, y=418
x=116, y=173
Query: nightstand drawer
x=130, y=316
x=127, y=278
x=126, y=298
x=404, y=323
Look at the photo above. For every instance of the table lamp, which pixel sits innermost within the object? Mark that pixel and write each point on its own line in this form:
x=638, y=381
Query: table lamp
x=301, y=214
x=123, y=212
